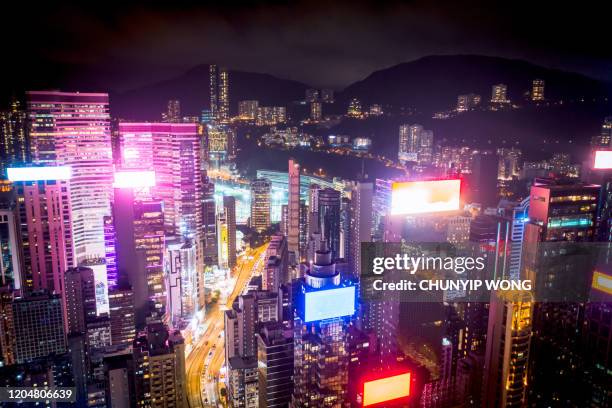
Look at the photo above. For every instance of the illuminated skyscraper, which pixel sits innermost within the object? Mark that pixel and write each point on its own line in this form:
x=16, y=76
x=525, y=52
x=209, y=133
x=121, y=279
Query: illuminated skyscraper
x=499, y=94
x=329, y=219
x=507, y=352
x=209, y=222
x=323, y=312
x=44, y=216
x=122, y=314
x=185, y=289
x=10, y=266
x=361, y=222
x=73, y=129
x=275, y=366
x=260, y=204
x=293, y=210
x=537, y=90
x=172, y=150
x=248, y=109
x=219, y=92
x=415, y=144
x=316, y=111
x=604, y=139
x=221, y=144
x=14, y=145
x=226, y=233
x=80, y=298
x=354, y=109
x=467, y=102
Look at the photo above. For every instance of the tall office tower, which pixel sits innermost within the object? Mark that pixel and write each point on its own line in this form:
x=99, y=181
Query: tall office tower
x=559, y=216
x=248, y=109
x=316, y=111
x=517, y=215
x=229, y=210
x=275, y=365
x=173, y=112
x=119, y=380
x=276, y=272
x=537, y=90
x=122, y=314
x=409, y=142
x=324, y=310
x=209, y=221
x=344, y=251
x=304, y=228
x=38, y=327
x=185, y=289
x=73, y=129
x=311, y=95
x=139, y=243
x=381, y=204
x=172, y=150
x=159, y=361
x=214, y=96
x=10, y=267
x=467, y=102
x=7, y=354
x=44, y=215
x=507, y=353
x=14, y=143
x=499, y=94
x=425, y=148
x=483, y=180
x=329, y=219
x=293, y=211
x=219, y=92
x=509, y=163
x=260, y=204
x=79, y=298
x=361, y=222
x=242, y=322
x=221, y=144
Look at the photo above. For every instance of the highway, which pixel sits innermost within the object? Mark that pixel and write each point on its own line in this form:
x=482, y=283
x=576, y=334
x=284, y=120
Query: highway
x=204, y=363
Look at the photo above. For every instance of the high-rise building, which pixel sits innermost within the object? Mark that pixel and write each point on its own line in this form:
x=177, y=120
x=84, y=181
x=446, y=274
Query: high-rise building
x=219, y=92
x=73, y=129
x=79, y=299
x=173, y=112
x=275, y=366
x=604, y=139
x=172, y=150
x=354, y=109
x=226, y=233
x=499, y=94
x=293, y=210
x=38, y=324
x=209, y=222
x=458, y=229
x=323, y=312
x=184, y=288
x=271, y=115
x=122, y=314
x=415, y=144
x=467, y=102
x=14, y=143
x=537, y=90
x=507, y=350
x=159, y=359
x=316, y=111
x=247, y=110
x=509, y=163
x=361, y=222
x=483, y=180
x=10, y=262
x=221, y=144
x=329, y=219
x=260, y=204
x=276, y=271
x=45, y=225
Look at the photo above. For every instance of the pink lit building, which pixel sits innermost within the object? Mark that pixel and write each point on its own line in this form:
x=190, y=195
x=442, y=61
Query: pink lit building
x=44, y=219
x=173, y=151
x=73, y=129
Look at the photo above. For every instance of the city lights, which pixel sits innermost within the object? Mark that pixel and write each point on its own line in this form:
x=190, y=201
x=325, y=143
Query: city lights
x=419, y=197
x=15, y=174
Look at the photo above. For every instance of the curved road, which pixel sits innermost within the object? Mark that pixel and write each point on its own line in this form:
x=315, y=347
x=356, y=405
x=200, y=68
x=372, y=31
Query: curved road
x=206, y=358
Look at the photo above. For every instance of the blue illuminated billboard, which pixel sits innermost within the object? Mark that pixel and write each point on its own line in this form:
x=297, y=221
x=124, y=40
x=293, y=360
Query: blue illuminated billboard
x=329, y=303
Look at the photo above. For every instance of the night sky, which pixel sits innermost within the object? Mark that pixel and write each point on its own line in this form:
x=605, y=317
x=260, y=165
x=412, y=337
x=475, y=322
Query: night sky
x=118, y=47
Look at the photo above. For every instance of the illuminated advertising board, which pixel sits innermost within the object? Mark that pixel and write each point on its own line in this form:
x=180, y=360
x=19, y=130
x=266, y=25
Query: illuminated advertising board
x=15, y=174
x=603, y=159
x=134, y=179
x=421, y=197
x=602, y=282
x=101, y=288
x=386, y=389
x=329, y=303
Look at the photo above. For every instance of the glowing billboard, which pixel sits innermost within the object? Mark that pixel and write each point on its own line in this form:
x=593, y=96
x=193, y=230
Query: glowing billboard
x=602, y=282
x=420, y=197
x=38, y=173
x=134, y=179
x=386, y=389
x=603, y=159
x=329, y=303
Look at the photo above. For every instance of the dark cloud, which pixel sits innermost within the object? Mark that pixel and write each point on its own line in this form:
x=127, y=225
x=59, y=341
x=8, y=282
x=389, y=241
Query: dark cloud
x=317, y=42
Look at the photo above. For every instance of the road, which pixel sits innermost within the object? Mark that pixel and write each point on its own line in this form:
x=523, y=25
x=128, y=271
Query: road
x=207, y=357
